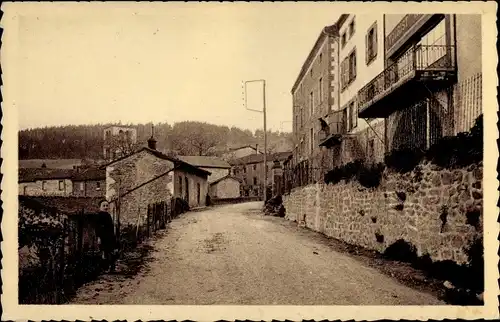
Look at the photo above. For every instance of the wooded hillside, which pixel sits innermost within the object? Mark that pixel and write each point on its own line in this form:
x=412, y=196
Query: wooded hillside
x=183, y=138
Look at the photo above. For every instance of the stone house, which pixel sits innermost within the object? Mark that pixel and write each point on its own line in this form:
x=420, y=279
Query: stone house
x=225, y=187
x=148, y=176
x=250, y=171
x=240, y=152
x=89, y=183
x=118, y=141
x=217, y=167
x=45, y=182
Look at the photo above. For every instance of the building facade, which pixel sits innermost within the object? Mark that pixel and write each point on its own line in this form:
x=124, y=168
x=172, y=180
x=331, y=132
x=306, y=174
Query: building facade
x=315, y=95
x=396, y=81
x=45, y=182
x=225, y=187
x=118, y=141
x=250, y=172
x=240, y=152
x=217, y=167
x=90, y=183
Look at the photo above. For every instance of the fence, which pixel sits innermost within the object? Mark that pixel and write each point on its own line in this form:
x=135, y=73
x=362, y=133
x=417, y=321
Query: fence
x=60, y=252
x=467, y=102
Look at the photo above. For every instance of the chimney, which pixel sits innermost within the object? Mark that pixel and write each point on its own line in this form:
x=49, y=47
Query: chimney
x=151, y=140
x=256, y=148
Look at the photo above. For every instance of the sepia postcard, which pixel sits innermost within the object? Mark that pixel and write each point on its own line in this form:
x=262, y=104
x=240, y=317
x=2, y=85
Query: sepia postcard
x=249, y=161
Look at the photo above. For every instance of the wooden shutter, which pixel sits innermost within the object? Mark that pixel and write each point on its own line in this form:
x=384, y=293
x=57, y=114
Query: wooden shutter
x=367, y=47
x=354, y=64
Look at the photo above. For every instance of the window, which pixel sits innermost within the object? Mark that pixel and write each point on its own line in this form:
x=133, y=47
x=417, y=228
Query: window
x=352, y=65
x=348, y=70
x=344, y=39
x=180, y=187
x=301, y=118
x=371, y=44
x=371, y=150
x=25, y=190
x=311, y=140
x=97, y=186
x=351, y=28
x=320, y=58
x=320, y=89
x=244, y=169
x=82, y=186
x=254, y=180
x=61, y=185
x=311, y=103
x=254, y=167
x=352, y=116
x=432, y=46
x=311, y=72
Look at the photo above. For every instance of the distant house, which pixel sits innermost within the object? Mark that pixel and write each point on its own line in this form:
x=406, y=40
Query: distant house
x=148, y=176
x=45, y=182
x=90, y=183
x=118, y=141
x=239, y=152
x=50, y=163
x=250, y=171
x=216, y=166
x=225, y=187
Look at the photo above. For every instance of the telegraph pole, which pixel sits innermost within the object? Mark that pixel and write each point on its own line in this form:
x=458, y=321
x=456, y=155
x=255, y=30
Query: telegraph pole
x=265, y=126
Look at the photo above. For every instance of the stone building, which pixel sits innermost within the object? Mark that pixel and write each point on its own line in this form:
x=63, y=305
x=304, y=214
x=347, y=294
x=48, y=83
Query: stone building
x=225, y=187
x=89, y=182
x=217, y=167
x=118, y=141
x=148, y=176
x=425, y=57
x=240, y=152
x=250, y=171
x=45, y=182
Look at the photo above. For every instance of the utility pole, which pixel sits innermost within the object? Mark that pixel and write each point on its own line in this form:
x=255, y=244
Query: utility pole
x=265, y=126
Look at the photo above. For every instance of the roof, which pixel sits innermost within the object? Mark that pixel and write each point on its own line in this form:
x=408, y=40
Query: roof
x=177, y=162
x=341, y=20
x=90, y=174
x=205, y=161
x=67, y=205
x=243, y=147
x=50, y=163
x=224, y=178
x=326, y=31
x=257, y=158
x=34, y=174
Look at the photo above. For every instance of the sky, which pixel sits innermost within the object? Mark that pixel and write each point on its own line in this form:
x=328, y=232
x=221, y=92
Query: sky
x=167, y=62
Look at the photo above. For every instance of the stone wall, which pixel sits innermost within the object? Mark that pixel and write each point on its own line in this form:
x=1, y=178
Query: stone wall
x=51, y=188
x=193, y=181
x=130, y=173
x=91, y=188
x=439, y=211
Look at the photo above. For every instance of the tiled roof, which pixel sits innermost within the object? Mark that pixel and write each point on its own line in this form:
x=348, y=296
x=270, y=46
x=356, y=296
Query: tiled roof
x=242, y=147
x=34, y=174
x=90, y=174
x=205, y=161
x=67, y=205
x=257, y=158
x=178, y=163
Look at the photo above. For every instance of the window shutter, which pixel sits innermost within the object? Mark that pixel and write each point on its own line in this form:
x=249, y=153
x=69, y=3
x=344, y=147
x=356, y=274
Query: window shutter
x=354, y=64
x=375, y=42
x=367, y=47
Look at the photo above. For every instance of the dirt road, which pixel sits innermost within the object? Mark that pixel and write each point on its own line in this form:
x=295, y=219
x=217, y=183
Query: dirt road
x=234, y=255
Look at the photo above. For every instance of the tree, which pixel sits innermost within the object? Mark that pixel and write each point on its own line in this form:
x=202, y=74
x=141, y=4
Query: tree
x=197, y=138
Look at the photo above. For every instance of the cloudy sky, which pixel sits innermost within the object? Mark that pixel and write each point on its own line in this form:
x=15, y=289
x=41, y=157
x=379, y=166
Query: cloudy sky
x=129, y=62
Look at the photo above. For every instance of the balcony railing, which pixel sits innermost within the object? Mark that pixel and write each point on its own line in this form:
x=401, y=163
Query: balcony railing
x=337, y=126
x=414, y=63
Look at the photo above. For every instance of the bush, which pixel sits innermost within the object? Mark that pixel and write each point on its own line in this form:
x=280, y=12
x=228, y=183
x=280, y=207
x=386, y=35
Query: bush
x=403, y=160
x=370, y=176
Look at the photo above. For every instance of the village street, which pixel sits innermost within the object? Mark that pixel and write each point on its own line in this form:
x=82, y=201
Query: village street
x=234, y=255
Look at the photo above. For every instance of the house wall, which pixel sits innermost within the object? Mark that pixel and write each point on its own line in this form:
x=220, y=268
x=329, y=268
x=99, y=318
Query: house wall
x=322, y=67
x=216, y=173
x=226, y=188
x=193, y=181
x=365, y=72
x=247, y=178
x=89, y=188
x=131, y=172
x=431, y=208
x=469, y=45
x=51, y=188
